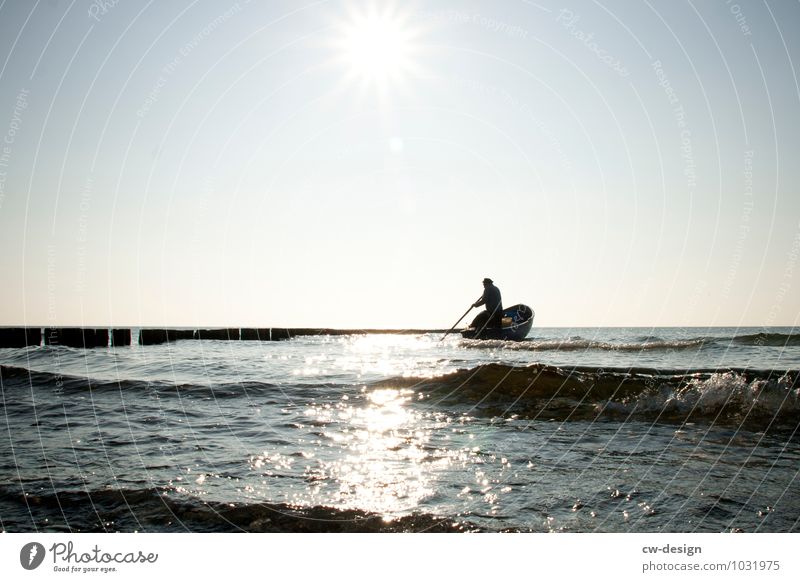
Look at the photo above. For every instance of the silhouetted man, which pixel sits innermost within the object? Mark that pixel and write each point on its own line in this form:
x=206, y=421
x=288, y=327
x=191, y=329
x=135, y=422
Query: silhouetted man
x=491, y=318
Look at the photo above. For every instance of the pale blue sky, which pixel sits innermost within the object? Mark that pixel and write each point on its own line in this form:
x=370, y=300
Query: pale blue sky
x=278, y=164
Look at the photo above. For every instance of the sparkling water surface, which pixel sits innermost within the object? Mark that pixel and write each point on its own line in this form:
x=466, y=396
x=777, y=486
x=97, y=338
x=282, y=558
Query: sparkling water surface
x=349, y=422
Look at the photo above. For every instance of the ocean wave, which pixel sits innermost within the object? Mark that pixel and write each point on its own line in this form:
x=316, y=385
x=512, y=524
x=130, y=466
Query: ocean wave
x=643, y=344
x=165, y=510
x=580, y=344
x=768, y=339
x=13, y=376
x=536, y=391
x=548, y=392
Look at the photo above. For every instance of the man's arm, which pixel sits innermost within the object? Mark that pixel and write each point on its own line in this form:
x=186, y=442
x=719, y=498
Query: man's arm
x=480, y=301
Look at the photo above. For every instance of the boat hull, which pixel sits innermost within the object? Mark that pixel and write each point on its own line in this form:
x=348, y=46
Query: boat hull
x=517, y=323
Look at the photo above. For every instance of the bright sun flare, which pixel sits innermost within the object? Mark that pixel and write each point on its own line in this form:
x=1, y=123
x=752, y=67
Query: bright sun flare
x=377, y=47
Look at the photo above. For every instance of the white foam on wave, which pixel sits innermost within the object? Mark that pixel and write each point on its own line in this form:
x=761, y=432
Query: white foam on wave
x=709, y=396
x=578, y=343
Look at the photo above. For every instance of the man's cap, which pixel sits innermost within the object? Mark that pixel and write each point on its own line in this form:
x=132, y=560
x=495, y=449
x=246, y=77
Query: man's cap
x=488, y=280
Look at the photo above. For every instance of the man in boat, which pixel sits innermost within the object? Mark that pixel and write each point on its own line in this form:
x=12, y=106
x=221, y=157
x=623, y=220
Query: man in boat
x=492, y=316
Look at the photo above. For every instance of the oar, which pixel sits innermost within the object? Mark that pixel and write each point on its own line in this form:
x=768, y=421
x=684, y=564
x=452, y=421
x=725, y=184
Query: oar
x=456, y=323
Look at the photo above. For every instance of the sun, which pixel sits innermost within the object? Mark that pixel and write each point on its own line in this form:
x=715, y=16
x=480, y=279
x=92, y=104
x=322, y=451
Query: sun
x=378, y=47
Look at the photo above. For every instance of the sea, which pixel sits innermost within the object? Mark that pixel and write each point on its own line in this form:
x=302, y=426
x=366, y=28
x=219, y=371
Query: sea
x=571, y=430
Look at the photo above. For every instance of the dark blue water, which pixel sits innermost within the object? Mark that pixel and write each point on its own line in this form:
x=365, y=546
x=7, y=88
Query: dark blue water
x=627, y=429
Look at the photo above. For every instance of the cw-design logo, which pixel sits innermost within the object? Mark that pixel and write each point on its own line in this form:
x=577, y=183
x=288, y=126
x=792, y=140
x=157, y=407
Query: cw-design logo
x=31, y=555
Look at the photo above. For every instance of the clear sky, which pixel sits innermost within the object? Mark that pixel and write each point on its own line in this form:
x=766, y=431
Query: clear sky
x=366, y=164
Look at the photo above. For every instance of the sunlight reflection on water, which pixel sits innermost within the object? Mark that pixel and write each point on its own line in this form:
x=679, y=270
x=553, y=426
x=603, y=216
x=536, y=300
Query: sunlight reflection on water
x=382, y=466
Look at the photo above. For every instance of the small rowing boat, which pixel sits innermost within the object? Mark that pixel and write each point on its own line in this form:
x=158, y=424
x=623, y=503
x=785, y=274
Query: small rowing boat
x=516, y=323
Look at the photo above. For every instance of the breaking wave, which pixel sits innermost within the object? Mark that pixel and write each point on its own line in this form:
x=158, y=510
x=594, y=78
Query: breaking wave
x=579, y=344
x=645, y=344
x=548, y=392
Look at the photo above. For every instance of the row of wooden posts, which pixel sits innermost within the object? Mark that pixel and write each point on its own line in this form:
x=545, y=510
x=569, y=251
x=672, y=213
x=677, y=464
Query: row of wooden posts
x=80, y=337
